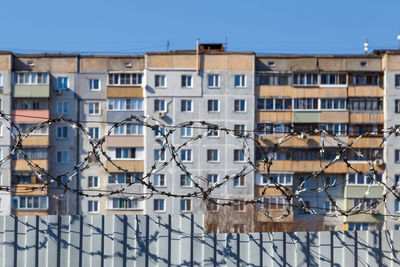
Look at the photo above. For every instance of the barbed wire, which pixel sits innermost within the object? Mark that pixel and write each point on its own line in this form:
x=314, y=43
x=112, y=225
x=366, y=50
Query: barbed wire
x=258, y=159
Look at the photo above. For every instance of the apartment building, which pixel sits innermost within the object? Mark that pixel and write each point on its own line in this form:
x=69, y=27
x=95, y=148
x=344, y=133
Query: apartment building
x=342, y=95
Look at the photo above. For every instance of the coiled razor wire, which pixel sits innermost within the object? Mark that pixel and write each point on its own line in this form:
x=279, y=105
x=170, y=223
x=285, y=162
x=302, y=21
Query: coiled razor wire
x=201, y=188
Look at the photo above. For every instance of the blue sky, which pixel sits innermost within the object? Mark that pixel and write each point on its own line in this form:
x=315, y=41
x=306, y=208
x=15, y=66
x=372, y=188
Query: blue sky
x=263, y=26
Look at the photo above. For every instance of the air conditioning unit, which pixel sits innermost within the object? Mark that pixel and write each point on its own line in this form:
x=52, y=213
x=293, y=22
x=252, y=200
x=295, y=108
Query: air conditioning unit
x=378, y=162
x=58, y=91
x=30, y=63
x=161, y=114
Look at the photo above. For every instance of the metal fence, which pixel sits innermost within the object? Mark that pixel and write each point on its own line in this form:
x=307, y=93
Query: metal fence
x=118, y=240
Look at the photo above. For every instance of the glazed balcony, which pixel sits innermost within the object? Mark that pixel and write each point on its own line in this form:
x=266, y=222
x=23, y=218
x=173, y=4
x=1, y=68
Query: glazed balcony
x=31, y=90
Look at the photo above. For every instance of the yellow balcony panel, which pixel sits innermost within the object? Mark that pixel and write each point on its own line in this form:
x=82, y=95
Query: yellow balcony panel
x=365, y=91
x=124, y=91
x=334, y=117
x=274, y=116
x=271, y=191
x=36, y=141
x=28, y=213
x=125, y=141
x=295, y=141
x=130, y=165
x=366, y=118
x=29, y=190
x=274, y=91
x=366, y=142
x=22, y=165
x=300, y=92
x=261, y=217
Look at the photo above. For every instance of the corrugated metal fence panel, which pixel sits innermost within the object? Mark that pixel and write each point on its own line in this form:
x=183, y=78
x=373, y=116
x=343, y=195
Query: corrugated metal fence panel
x=118, y=240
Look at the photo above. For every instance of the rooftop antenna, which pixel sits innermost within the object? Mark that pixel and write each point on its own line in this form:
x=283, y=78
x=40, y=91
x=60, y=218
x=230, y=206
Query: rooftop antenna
x=398, y=38
x=226, y=43
x=366, y=47
x=167, y=45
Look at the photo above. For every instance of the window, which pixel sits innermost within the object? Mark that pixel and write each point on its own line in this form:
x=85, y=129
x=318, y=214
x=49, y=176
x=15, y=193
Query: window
x=333, y=103
x=240, y=81
x=397, y=155
x=213, y=105
x=278, y=178
x=1, y=80
x=93, y=206
x=159, y=204
x=160, y=81
x=239, y=129
x=32, y=153
x=334, y=128
x=159, y=180
x=274, y=103
x=212, y=206
x=357, y=226
x=186, y=205
x=365, y=79
x=186, y=131
x=31, y=78
x=212, y=131
x=365, y=103
x=94, y=132
x=94, y=84
x=123, y=203
x=273, y=79
x=330, y=181
x=363, y=179
x=397, y=80
x=306, y=103
x=212, y=155
x=94, y=108
x=239, y=181
x=271, y=128
x=159, y=105
x=305, y=182
x=274, y=203
x=62, y=107
x=366, y=204
x=159, y=154
x=127, y=129
x=186, y=181
x=93, y=181
x=186, y=155
x=29, y=202
x=125, y=78
x=240, y=105
x=62, y=82
x=397, y=106
x=159, y=131
x=333, y=79
x=123, y=104
x=397, y=206
x=125, y=152
x=186, y=81
x=186, y=105
x=124, y=178
x=359, y=129
x=212, y=178
x=239, y=206
x=329, y=207
x=213, y=80
x=30, y=103
x=62, y=156
x=62, y=132
x=238, y=155
x=305, y=79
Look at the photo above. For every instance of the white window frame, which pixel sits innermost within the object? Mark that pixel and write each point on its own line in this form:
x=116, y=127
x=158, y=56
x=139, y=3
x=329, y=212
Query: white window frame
x=62, y=107
x=62, y=83
x=356, y=183
x=161, y=107
x=92, y=181
x=186, y=131
x=95, y=208
x=136, y=202
x=212, y=153
x=1, y=79
x=238, y=151
x=117, y=76
x=159, y=155
x=188, y=181
x=94, y=103
x=186, y=105
x=186, y=155
x=280, y=178
x=186, y=204
x=240, y=101
x=64, y=156
x=216, y=80
x=242, y=81
x=213, y=110
x=95, y=132
x=159, y=200
x=186, y=81
x=160, y=81
x=91, y=84
x=214, y=178
x=241, y=181
x=60, y=129
x=159, y=179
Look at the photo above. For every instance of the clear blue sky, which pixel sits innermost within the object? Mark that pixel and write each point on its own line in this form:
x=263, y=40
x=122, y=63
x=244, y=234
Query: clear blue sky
x=263, y=26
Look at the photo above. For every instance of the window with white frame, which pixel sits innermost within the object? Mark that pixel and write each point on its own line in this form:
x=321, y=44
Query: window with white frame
x=186, y=131
x=305, y=79
x=1, y=128
x=31, y=78
x=32, y=153
x=1, y=80
x=125, y=79
x=239, y=129
x=124, y=178
x=124, y=152
x=186, y=205
x=186, y=105
x=159, y=155
x=239, y=181
x=329, y=207
x=274, y=203
x=357, y=226
x=160, y=81
x=212, y=178
x=62, y=107
x=29, y=202
x=278, y=178
x=94, y=132
x=186, y=155
x=123, y=203
x=159, y=204
x=305, y=103
x=274, y=103
x=273, y=128
x=238, y=155
x=125, y=104
x=159, y=180
x=212, y=131
x=94, y=108
x=273, y=79
x=365, y=203
x=159, y=131
x=397, y=80
x=127, y=129
x=213, y=105
x=159, y=105
x=240, y=81
x=333, y=103
x=212, y=155
x=94, y=84
x=240, y=105
x=62, y=132
x=363, y=179
x=23, y=127
x=213, y=81
x=62, y=83
x=186, y=181
x=62, y=156
x=333, y=79
x=93, y=181
x=397, y=205
x=186, y=81
x=365, y=78
x=93, y=206
x=335, y=128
